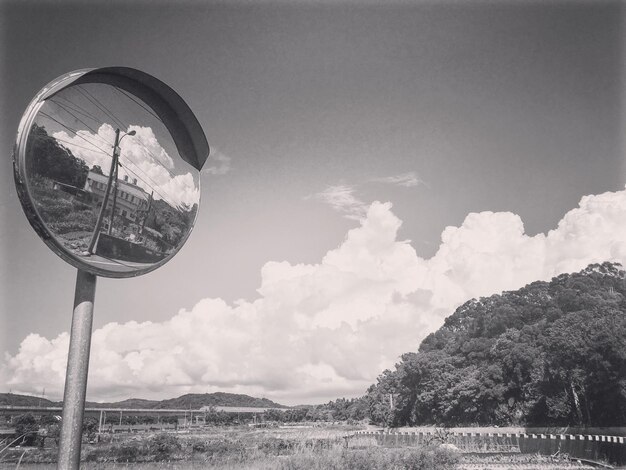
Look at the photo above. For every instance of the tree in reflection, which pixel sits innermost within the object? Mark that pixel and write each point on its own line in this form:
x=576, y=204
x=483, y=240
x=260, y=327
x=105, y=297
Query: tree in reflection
x=49, y=159
x=173, y=224
x=56, y=180
x=96, y=169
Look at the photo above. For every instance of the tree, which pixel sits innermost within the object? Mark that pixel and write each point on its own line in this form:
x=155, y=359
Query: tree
x=96, y=169
x=90, y=426
x=26, y=425
x=47, y=158
x=550, y=353
x=49, y=426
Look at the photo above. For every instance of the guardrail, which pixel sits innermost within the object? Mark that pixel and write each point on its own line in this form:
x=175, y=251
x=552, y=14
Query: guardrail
x=137, y=427
x=611, y=449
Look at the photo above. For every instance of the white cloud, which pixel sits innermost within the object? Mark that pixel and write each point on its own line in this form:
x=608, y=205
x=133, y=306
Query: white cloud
x=342, y=199
x=407, y=180
x=217, y=163
x=324, y=330
x=142, y=158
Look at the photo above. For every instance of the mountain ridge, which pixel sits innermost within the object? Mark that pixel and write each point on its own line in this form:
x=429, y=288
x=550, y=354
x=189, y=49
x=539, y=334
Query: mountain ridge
x=186, y=401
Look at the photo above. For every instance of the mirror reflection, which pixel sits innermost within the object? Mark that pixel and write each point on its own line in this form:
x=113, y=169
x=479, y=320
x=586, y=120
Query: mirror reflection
x=106, y=178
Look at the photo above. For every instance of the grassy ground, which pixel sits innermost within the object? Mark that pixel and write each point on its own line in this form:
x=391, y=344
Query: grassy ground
x=242, y=448
x=519, y=462
x=258, y=449
x=70, y=220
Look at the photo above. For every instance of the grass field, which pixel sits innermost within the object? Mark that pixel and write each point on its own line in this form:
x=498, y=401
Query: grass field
x=231, y=448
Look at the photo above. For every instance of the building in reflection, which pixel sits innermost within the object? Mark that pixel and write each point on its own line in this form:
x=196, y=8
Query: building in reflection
x=132, y=201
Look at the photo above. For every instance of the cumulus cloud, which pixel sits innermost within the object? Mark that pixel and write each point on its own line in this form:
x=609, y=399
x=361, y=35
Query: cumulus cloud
x=407, y=180
x=342, y=199
x=142, y=158
x=323, y=330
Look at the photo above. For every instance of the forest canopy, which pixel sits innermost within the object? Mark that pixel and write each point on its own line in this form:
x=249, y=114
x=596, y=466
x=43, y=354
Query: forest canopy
x=550, y=353
x=49, y=159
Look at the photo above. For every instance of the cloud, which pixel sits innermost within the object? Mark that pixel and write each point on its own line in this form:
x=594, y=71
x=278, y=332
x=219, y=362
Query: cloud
x=407, y=180
x=142, y=158
x=217, y=163
x=319, y=331
x=342, y=199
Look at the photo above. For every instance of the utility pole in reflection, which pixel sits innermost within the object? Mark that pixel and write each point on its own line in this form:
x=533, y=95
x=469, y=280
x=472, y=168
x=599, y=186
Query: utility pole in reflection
x=107, y=191
x=112, y=218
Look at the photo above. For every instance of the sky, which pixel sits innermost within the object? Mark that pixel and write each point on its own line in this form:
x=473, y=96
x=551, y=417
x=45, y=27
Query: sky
x=372, y=168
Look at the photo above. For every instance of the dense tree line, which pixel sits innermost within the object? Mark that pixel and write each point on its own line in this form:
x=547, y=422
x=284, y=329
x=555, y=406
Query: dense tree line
x=172, y=223
x=342, y=409
x=49, y=159
x=551, y=353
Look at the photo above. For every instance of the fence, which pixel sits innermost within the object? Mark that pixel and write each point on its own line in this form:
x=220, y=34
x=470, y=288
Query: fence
x=137, y=427
x=117, y=248
x=610, y=449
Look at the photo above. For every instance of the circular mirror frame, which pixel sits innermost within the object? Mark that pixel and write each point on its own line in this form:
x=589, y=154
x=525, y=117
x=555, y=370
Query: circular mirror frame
x=175, y=114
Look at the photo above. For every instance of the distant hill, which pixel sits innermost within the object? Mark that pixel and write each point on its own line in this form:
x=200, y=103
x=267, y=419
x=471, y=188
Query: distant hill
x=198, y=400
x=192, y=401
x=12, y=399
x=128, y=403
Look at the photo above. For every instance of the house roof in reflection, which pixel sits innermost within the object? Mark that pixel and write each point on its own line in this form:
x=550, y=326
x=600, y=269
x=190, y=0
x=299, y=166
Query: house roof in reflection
x=122, y=185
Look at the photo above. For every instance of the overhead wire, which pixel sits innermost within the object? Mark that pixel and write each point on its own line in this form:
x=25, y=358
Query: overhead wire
x=101, y=107
x=80, y=146
x=149, y=111
x=96, y=134
x=156, y=160
x=78, y=108
x=73, y=131
x=129, y=96
x=107, y=112
x=100, y=150
x=171, y=204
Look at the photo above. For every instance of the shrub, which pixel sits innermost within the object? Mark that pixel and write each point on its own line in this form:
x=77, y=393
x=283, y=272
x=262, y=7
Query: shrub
x=26, y=425
x=163, y=446
x=376, y=458
x=127, y=452
x=223, y=447
x=198, y=446
x=276, y=446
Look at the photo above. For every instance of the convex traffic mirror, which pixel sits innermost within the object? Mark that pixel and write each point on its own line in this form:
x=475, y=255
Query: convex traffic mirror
x=107, y=169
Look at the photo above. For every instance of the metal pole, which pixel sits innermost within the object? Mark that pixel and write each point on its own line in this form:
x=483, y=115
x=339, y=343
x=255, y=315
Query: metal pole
x=76, y=375
x=105, y=201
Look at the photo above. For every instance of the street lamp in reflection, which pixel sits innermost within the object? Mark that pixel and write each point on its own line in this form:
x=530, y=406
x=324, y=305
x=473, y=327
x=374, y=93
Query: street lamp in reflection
x=112, y=182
